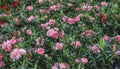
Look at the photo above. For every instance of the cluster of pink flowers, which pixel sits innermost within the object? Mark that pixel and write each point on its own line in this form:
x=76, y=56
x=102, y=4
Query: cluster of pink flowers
x=17, y=53
x=88, y=33
x=58, y=46
x=61, y=66
x=52, y=33
x=83, y=60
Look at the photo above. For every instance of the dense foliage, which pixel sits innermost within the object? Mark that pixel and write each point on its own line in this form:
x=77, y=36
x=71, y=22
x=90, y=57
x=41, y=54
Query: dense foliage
x=53, y=34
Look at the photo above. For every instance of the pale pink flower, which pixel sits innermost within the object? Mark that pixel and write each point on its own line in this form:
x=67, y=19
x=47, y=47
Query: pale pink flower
x=95, y=48
x=77, y=43
x=50, y=32
x=84, y=8
x=42, y=11
x=22, y=51
x=42, y=26
x=40, y=51
x=51, y=21
x=6, y=43
x=15, y=54
x=91, y=19
x=106, y=38
x=104, y=4
x=13, y=41
x=62, y=34
x=29, y=8
x=19, y=33
x=61, y=66
x=117, y=52
x=71, y=21
x=56, y=29
x=58, y=46
x=70, y=5
x=77, y=19
x=77, y=9
x=64, y=19
x=53, y=8
x=29, y=32
x=118, y=38
x=84, y=60
x=97, y=7
x=39, y=41
x=20, y=39
x=77, y=60
x=2, y=64
x=31, y=18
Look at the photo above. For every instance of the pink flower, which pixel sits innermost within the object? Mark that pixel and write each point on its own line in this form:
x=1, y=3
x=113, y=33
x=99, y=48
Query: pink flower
x=29, y=32
x=40, y=51
x=61, y=66
x=118, y=38
x=1, y=56
x=117, y=53
x=70, y=5
x=77, y=60
x=58, y=46
x=42, y=11
x=20, y=39
x=91, y=19
x=2, y=64
x=19, y=33
x=97, y=7
x=70, y=20
x=6, y=43
x=77, y=9
x=95, y=48
x=77, y=19
x=29, y=8
x=104, y=4
x=84, y=8
x=55, y=34
x=51, y=21
x=50, y=32
x=53, y=8
x=106, y=38
x=39, y=41
x=15, y=54
x=31, y=18
x=13, y=41
x=22, y=51
x=84, y=60
x=77, y=44
x=8, y=48
x=64, y=19
x=62, y=34
x=42, y=26
x=56, y=29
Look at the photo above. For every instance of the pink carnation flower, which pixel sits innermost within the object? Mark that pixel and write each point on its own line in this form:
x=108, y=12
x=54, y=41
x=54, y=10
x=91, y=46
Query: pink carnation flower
x=53, y=8
x=84, y=60
x=29, y=32
x=29, y=8
x=58, y=46
x=104, y=4
x=15, y=54
x=40, y=51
